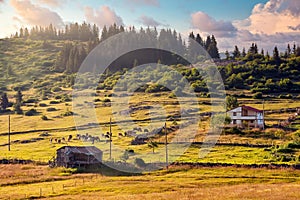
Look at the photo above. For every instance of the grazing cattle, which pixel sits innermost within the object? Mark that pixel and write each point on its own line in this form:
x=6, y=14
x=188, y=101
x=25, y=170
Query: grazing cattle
x=102, y=135
x=120, y=135
x=97, y=139
x=70, y=138
x=107, y=136
x=51, y=140
x=125, y=133
x=55, y=140
x=59, y=141
x=138, y=129
x=63, y=139
x=78, y=136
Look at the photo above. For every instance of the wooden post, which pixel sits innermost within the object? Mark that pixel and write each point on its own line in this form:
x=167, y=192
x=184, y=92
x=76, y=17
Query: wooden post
x=8, y=132
x=263, y=115
x=166, y=144
x=110, y=138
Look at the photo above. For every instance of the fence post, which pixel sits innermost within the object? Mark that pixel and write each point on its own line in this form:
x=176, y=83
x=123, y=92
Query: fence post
x=40, y=192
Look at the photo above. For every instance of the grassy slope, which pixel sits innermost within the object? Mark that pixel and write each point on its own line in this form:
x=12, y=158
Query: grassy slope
x=178, y=183
x=35, y=61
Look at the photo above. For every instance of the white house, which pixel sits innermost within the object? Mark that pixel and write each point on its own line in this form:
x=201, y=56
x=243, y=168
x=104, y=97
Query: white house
x=246, y=116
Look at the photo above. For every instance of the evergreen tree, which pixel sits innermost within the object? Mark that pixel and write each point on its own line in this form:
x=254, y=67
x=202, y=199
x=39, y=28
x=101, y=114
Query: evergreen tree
x=4, y=103
x=213, y=49
x=262, y=52
x=236, y=52
x=276, y=56
x=207, y=42
x=104, y=34
x=199, y=39
x=227, y=55
x=243, y=53
x=19, y=102
x=288, y=50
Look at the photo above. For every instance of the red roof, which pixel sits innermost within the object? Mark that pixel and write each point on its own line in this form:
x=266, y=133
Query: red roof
x=251, y=108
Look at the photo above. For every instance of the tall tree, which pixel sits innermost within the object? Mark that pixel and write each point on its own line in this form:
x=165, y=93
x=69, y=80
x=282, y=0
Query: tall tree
x=231, y=102
x=213, y=49
x=276, y=56
x=236, y=52
x=4, y=103
x=18, y=103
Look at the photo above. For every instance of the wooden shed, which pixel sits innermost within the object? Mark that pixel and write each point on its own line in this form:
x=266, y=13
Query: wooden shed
x=78, y=156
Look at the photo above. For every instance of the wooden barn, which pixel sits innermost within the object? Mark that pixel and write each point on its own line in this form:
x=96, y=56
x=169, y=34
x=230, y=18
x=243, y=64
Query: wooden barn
x=78, y=156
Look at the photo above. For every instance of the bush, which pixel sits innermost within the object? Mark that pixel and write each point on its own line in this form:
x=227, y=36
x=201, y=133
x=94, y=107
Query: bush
x=31, y=112
x=139, y=162
x=44, y=117
x=56, y=89
x=31, y=100
x=285, y=150
x=51, y=109
x=67, y=113
x=54, y=102
x=43, y=105
x=258, y=95
x=106, y=100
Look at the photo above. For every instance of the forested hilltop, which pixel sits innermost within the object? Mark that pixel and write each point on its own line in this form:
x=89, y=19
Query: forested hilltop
x=43, y=58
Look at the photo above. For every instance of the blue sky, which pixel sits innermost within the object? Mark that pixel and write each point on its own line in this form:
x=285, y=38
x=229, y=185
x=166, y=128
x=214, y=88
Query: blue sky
x=266, y=22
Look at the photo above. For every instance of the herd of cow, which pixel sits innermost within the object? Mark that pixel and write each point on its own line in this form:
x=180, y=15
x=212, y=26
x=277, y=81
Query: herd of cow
x=104, y=137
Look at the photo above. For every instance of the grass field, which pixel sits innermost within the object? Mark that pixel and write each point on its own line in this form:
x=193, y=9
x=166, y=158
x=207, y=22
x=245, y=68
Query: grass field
x=43, y=150
x=28, y=181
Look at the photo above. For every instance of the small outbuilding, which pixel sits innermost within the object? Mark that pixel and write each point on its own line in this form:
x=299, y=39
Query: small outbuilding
x=78, y=156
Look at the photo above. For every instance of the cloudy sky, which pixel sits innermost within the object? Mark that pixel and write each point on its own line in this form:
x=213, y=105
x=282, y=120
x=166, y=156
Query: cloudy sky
x=233, y=22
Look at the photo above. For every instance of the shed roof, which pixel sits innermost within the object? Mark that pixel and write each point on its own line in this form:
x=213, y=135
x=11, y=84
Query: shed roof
x=88, y=150
x=246, y=108
x=251, y=108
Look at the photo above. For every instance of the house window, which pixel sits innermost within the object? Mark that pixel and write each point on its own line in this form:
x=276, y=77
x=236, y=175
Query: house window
x=234, y=113
x=234, y=121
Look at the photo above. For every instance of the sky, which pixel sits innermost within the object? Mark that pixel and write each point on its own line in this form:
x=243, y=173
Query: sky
x=268, y=23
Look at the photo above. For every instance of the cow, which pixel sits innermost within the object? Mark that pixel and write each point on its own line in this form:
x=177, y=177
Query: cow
x=70, y=138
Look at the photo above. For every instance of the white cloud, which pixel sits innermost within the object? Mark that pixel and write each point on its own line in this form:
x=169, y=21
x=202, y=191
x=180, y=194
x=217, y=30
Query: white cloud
x=143, y=2
x=205, y=23
x=149, y=21
x=274, y=23
x=35, y=15
x=52, y=3
x=103, y=16
x=276, y=16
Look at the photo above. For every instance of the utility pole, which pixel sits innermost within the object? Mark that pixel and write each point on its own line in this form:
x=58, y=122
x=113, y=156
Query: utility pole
x=263, y=114
x=166, y=144
x=8, y=132
x=110, y=138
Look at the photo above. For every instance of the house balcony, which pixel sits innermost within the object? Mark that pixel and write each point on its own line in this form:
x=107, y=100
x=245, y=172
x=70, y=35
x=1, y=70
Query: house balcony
x=249, y=117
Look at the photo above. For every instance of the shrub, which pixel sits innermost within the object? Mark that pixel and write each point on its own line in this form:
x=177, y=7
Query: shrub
x=51, y=109
x=54, y=102
x=258, y=95
x=67, y=113
x=31, y=100
x=43, y=105
x=31, y=112
x=285, y=150
x=106, y=100
x=44, y=117
x=56, y=89
x=57, y=97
